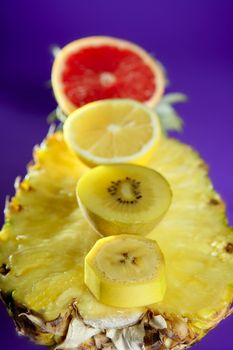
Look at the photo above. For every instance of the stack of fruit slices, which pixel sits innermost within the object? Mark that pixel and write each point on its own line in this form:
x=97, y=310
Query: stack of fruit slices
x=115, y=239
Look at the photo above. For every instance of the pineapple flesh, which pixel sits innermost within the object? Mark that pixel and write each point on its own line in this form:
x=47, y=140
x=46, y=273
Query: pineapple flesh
x=45, y=239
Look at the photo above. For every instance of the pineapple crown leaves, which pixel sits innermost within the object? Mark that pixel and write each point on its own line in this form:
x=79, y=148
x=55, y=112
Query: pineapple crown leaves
x=54, y=49
x=169, y=118
x=57, y=116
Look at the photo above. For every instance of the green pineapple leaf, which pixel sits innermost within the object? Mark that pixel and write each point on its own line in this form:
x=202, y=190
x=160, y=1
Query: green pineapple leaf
x=56, y=115
x=169, y=118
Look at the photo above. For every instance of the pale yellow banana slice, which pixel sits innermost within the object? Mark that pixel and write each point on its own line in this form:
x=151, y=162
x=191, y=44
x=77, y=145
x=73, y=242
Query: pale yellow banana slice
x=126, y=271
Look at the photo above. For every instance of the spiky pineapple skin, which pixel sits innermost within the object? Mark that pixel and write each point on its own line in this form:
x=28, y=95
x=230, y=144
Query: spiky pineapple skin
x=178, y=335
x=52, y=332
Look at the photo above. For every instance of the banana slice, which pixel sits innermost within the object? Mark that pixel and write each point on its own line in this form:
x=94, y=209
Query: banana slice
x=126, y=271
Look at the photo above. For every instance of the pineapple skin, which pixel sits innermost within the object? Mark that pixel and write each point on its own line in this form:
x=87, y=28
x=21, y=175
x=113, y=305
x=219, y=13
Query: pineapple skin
x=180, y=333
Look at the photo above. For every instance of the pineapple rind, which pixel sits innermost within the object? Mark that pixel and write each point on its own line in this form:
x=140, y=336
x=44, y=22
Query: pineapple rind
x=44, y=213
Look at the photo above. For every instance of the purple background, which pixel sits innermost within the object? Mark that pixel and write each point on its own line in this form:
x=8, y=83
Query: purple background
x=193, y=39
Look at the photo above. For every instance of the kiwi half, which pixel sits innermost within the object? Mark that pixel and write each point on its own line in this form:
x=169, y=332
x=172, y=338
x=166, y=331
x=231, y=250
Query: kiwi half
x=123, y=198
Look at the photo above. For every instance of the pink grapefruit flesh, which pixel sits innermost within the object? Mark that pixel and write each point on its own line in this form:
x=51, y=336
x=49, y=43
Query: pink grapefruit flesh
x=97, y=68
x=104, y=72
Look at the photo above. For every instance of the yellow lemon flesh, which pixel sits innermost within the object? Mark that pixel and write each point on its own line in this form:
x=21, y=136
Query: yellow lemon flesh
x=113, y=131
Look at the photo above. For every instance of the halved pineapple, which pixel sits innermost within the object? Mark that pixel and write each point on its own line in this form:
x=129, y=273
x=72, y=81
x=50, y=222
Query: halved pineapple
x=45, y=239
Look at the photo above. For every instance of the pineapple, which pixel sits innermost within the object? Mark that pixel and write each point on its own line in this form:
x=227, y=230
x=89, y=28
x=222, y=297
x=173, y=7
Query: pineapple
x=45, y=239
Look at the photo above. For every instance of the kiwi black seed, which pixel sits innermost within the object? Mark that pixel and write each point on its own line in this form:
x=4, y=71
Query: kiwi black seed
x=114, y=190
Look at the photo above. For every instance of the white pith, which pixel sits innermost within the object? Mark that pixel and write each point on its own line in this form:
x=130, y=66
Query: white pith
x=107, y=79
x=113, y=128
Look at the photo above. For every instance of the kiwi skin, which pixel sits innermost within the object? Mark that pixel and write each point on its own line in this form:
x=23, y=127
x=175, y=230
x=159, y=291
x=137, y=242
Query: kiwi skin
x=112, y=228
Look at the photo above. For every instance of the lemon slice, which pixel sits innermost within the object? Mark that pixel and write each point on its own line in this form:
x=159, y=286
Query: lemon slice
x=113, y=131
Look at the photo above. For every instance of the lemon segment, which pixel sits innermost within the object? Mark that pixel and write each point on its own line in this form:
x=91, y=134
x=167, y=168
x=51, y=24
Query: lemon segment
x=126, y=271
x=113, y=131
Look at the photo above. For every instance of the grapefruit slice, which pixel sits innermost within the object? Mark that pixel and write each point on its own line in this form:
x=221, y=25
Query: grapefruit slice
x=97, y=68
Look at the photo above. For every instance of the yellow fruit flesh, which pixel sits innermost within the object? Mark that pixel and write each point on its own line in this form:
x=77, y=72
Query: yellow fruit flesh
x=112, y=131
x=123, y=198
x=126, y=271
x=93, y=191
x=193, y=237
x=45, y=239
